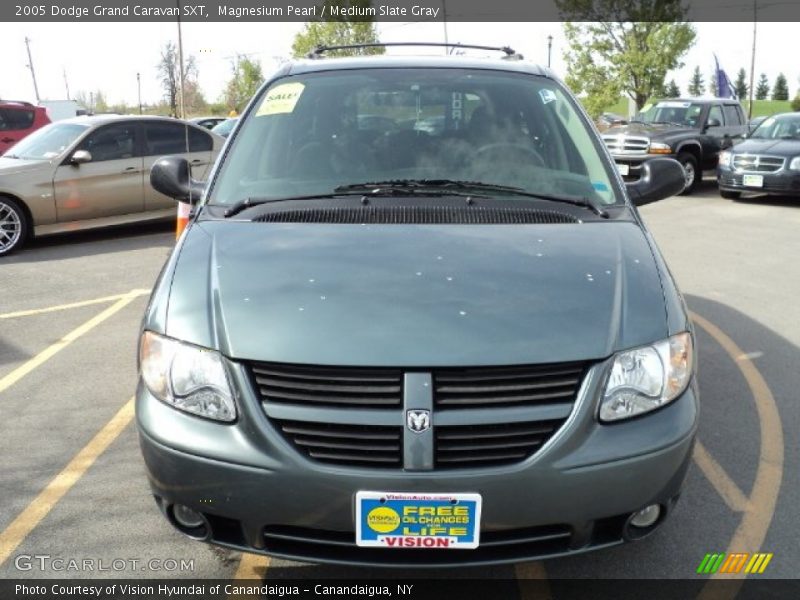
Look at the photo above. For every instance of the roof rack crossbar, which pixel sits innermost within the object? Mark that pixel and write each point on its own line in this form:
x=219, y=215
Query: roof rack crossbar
x=320, y=50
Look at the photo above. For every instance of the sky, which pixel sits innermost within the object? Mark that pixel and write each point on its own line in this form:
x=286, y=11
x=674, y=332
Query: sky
x=107, y=56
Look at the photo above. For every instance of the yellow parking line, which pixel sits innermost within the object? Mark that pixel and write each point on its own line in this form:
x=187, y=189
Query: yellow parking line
x=20, y=372
x=28, y=519
x=725, y=486
x=251, y=567
x=532, y=570
x=48, y=309
x=752, y=529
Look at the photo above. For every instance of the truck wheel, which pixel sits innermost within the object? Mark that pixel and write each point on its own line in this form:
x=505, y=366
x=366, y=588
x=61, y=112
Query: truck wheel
x=13, y=225
x=692, y=172
x=730, y=195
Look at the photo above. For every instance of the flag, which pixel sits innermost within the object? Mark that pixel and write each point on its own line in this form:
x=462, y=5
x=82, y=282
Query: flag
x=725, y=88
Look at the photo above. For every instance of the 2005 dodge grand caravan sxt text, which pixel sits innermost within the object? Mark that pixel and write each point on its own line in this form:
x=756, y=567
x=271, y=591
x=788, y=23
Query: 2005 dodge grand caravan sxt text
x=416, y=320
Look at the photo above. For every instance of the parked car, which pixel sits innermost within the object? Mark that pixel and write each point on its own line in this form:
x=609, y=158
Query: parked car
x=18, y=119
x=91, y=172
x=767, y=162
x=224, y=129
x=693, y=131
x=753, y=124
x=381, y=347
x=607, y=120
x=208, y=122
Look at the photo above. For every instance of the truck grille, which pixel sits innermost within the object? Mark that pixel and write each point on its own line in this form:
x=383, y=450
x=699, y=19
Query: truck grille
x=623, y=144
x=506, y=386
x=757, y=163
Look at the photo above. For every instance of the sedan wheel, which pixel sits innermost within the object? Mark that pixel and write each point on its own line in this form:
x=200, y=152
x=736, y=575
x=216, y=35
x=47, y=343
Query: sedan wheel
x=13, y=225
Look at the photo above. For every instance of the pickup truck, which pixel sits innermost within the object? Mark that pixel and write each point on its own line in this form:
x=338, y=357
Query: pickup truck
x=692, y=131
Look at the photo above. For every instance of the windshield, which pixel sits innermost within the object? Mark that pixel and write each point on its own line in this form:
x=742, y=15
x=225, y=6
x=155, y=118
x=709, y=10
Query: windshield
x=674, y=112
x=786, y=127
x=47, y=142
x=310, y=134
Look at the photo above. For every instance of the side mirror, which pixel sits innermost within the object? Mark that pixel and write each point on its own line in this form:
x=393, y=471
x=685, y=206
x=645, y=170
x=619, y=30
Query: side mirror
x=713, y=123
x=79, y=157
x=660, y=178
x=170, y=175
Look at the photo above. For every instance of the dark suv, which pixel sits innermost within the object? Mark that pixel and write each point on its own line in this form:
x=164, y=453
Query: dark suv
x=416, y=320
x=693, y=131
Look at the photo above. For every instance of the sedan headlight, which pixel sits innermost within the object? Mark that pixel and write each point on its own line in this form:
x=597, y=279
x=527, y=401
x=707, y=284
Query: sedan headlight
x=795, y=163
x=186, y=377
x=725, y=158
x=659, y=148
x=643, y=379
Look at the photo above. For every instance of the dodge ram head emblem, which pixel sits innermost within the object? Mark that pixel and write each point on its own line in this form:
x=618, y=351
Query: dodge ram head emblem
x=418, y=420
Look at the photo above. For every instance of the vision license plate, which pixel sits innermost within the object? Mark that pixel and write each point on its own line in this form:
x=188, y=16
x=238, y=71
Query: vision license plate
x=753, y=180
x=389, y=520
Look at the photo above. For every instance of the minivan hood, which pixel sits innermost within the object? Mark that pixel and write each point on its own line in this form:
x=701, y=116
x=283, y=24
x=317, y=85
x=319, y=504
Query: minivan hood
x=416, y=295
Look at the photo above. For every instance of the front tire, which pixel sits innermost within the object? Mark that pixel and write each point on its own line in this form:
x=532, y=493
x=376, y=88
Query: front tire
x=13, y=225
x=691, y=171
x=730, y=195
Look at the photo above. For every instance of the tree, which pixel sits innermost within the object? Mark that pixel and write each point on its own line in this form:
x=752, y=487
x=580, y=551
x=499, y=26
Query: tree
x=696, y=87
x=740, y=85
x=247, y=78
x=169, y=72
x=781, y=89
x=630, y=56
x=762, y=89
x=339, y=31
x=673, y=91
x=796, y=102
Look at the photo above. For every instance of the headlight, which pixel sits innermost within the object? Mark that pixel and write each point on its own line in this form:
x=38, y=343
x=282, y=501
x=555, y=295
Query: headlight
x=795, y=163
x=186, y=377
x=725, y=159
x=646, y=378
x=659, y=148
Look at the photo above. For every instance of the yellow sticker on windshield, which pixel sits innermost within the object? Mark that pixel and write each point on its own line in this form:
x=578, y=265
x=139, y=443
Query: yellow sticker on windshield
x=281, y=99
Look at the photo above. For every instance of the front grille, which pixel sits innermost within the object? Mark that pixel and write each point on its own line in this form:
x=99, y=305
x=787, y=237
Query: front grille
x=418, y=215
x=361, y=445
x=623, y=144
x=757, y=163
x=507, y=386
x=324, y=386
x=490, y=445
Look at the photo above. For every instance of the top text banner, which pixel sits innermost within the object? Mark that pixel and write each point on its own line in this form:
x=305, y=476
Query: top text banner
x=395, y=10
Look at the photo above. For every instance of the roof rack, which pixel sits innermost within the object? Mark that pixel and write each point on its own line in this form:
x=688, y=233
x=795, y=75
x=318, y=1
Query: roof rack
x=320, y=50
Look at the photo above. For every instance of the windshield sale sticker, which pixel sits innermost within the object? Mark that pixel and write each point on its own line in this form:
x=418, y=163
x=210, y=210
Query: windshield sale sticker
x=547, y=96
x=281, y=99
x=387, y=520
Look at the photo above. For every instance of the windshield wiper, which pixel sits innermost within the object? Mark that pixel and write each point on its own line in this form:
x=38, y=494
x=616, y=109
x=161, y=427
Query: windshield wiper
x=478, y=186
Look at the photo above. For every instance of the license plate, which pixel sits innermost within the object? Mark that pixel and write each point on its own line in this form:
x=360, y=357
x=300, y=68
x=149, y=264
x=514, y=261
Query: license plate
x=396, y=520
x=623, y=169
x=753, y=180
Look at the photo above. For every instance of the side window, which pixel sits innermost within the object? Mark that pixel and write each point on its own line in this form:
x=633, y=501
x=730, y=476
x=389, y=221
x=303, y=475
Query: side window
x=199, y=141
x=716, y=113
x=112, y=142
x=164, y=138
x=12, y=119
x=731, y=114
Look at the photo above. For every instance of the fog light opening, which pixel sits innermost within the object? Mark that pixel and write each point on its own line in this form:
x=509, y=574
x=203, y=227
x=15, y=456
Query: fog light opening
x=644, y=521
x=188, y=521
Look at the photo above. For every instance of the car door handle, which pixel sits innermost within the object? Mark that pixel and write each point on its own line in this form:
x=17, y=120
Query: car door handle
x=196, y=161
x=131, y=170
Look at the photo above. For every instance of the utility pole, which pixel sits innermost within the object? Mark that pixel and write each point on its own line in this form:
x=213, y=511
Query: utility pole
x=752, y=61
x=180, y=59
x=139, y=90
x=549, y=48
x=30, y=65
x=66, y=83
x=444, y=21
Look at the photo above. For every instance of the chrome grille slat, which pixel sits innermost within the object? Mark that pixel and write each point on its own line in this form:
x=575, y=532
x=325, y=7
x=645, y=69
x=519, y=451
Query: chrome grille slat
x=626, y=144
x=758, y=163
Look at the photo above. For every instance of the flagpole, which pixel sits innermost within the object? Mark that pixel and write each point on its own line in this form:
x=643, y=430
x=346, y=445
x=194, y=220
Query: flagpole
x=752, y=62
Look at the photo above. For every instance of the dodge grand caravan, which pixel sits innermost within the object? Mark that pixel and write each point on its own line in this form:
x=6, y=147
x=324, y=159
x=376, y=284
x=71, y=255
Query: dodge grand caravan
x=416, y=319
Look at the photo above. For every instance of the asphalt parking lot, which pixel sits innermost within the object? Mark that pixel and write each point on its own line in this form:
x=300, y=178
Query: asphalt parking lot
x=73, y=486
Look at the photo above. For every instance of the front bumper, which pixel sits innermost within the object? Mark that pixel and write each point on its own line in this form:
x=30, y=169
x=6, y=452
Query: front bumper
x=780, y=183
x=259, y=495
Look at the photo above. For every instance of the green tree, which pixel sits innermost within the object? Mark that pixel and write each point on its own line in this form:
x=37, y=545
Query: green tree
x=340, y=31
x=781, y=89
x=696, y=86
x=673, y=91
x=169, y=73
x=247, y=78
x=740, y=85
x=796, y=103
x=630, y=56
x=762, y=89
